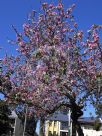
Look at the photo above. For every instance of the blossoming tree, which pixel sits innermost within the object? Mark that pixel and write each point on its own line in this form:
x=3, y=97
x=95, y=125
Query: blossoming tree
x=56, y=66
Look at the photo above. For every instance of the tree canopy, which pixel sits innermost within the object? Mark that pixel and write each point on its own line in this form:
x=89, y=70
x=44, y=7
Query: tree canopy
x=56, y=64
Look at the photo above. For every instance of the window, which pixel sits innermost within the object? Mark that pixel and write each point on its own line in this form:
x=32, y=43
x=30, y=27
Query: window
x=63, y=133
x=50, y=133
x=50, y=123
x=54, y=133
x=64, y=125
x=55, y=123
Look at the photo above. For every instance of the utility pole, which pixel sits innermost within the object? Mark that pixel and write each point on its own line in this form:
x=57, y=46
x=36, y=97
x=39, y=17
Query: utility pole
x=69, y=122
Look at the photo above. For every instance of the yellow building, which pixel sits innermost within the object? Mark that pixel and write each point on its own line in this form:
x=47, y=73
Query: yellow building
x=52, y=128
x=57, y=125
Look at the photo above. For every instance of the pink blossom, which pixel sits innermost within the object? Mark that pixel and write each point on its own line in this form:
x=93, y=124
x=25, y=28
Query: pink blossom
x=60, y=6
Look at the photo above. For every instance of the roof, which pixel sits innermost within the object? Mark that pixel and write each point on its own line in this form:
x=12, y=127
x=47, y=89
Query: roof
x=62, y=117
x=86, y=120
x=58, y=117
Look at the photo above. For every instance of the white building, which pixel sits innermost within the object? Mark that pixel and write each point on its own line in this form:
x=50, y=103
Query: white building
x=16, y=124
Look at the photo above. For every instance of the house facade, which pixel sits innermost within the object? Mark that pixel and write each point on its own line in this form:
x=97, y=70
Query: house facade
x=58, y=125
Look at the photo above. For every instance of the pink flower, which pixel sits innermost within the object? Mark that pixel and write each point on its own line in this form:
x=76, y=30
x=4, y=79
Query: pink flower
x=51, y=6
x=73, y=81
x=60, y=6
x=92, y=44
x=80, y=34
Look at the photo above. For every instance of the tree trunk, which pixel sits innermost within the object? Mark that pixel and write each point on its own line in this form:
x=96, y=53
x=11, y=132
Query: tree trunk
x=73, y=129
x=42, y=121
x=31, y=127
x=77, y=127
x=75, y=115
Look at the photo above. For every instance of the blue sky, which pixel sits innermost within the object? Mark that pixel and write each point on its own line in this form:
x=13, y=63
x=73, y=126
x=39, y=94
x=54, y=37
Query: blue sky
x=87, y=12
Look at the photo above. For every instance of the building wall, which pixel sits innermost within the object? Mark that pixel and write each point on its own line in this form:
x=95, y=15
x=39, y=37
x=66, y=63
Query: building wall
x=51, y=127
x=92, y=132
x=18, y=127
x=54, y=127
